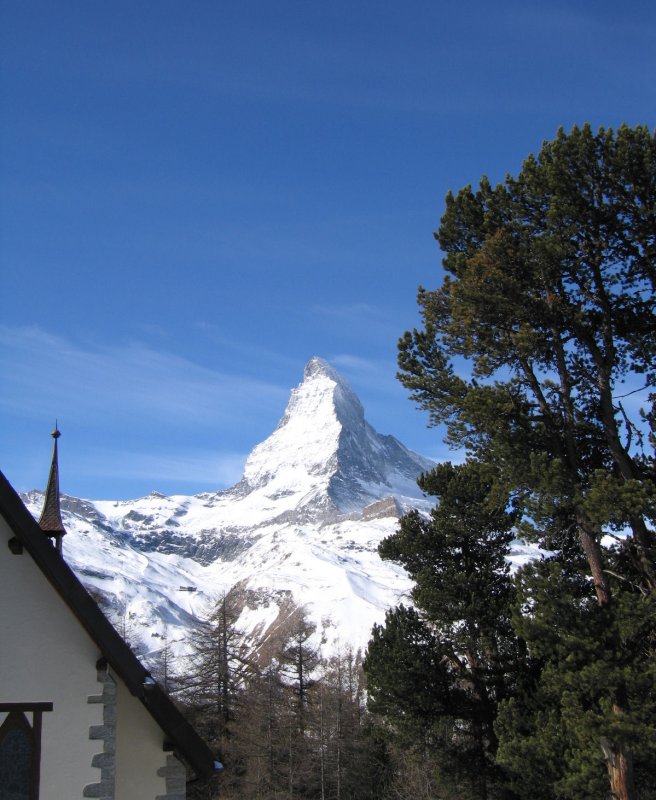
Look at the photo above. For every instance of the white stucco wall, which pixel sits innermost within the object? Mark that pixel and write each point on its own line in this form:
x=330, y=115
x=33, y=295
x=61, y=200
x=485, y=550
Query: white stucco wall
x=139, y=751
x=46, y=656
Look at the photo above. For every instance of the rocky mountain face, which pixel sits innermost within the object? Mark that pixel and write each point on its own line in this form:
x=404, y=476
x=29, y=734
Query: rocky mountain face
x=300, y=529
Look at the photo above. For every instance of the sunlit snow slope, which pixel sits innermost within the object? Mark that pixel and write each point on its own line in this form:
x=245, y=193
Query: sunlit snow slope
x=300, y=529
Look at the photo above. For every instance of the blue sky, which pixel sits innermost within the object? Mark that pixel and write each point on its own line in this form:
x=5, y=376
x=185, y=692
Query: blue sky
x=198, y=197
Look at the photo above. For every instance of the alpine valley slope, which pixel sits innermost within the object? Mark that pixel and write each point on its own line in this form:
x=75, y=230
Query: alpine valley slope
x=301, y=529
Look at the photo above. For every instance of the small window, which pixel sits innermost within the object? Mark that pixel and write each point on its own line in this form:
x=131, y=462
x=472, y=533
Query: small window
x=20, y=750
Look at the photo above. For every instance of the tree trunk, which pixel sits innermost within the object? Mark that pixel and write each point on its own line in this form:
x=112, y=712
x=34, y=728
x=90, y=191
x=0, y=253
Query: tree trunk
x=619, y=763
x=593, y=554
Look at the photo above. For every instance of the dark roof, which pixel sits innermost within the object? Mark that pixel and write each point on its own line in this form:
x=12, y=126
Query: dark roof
x=112, y=647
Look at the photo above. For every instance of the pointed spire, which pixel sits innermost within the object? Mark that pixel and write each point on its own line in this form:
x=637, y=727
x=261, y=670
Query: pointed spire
x=51, y=521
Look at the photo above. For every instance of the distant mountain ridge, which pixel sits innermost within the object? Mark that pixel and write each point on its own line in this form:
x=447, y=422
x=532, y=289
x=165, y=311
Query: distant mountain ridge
x=302, y=525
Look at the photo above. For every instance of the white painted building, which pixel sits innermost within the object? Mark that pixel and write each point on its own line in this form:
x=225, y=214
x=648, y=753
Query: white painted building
x=80, y=716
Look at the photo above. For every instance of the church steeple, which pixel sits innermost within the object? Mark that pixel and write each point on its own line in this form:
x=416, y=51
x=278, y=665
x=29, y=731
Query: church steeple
x=51, y=521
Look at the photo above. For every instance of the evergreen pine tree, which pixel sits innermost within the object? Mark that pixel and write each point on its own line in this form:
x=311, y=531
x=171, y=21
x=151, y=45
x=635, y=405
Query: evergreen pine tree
x=549, y=299
x=437, y=672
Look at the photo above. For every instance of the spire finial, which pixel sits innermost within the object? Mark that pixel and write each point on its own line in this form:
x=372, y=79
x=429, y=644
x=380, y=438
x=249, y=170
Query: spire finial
x=51, y=522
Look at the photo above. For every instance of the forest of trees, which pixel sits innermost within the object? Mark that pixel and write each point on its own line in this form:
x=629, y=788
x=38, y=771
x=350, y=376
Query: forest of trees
x=287, y=723
x=537, y=356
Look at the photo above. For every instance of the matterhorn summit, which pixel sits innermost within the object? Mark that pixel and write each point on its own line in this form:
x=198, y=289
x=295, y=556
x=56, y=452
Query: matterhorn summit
x=324, y=456
x=300, y=530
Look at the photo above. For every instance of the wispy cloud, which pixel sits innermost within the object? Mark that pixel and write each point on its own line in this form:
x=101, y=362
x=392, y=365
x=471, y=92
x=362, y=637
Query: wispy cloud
x=46, y=373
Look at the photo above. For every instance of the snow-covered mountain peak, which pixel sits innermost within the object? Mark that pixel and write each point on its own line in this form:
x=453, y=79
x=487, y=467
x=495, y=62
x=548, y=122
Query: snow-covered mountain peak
x=325, y=453
x=300, y=453
x=323, y=395
x=319, y=366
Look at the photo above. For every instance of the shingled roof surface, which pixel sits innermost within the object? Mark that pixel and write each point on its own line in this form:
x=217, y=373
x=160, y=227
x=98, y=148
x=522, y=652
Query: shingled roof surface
x=112, y=647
